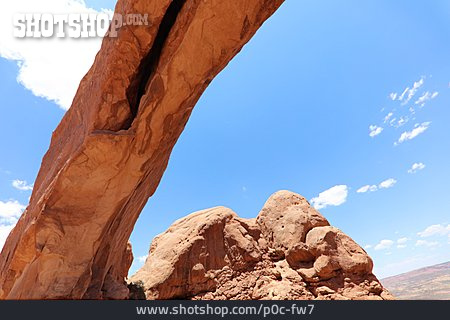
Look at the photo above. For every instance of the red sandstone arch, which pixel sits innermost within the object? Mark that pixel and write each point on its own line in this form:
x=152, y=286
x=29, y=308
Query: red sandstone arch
x=110, y=150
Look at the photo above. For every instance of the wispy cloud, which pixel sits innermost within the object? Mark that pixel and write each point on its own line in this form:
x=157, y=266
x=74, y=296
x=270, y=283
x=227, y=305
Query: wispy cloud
x=384, y=244
x=386, y=184
x=401, y=243
x=402, y=96
x=416, y=167
x=389, y=183
x=425, y=243
x=409, y=135
x=22, y=185
x=435, y=230
x=367, y=188
x=399, y=116
x=401, y=122
x=388, y=117
x=411, y=92
x=374, y=130
x=334, y=196
x=426, y=97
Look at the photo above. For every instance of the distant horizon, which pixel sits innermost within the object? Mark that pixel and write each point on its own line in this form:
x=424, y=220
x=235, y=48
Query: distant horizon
x=404, y=273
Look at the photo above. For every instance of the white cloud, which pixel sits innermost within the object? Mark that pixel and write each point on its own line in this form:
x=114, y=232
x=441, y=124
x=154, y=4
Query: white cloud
x=367, y=188
x=11, y=209
x=389, y=183
x=401, y=243
x=384, y=244
x=425, y=243
x=334, y=196
x=367, y=246
x=386, y=184
x=402, y=121
x=142, y=259
x=393, y=96
x=409, y=135
x=435, y=230
x=4, y=232
x=10, y=212
x=388, y=116
x=53, y=67
x=426, y=97
x=416, y=167
x=22, y=185
x=400, y=98
x=374, y=130
x=412, y=92
x=392, y=122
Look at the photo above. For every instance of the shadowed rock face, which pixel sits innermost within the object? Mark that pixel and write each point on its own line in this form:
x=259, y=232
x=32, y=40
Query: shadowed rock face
x=110, y=150
x=288, y=252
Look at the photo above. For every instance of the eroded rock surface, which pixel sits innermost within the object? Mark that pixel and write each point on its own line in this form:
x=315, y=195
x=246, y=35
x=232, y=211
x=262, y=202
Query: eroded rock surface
x=288, y=252
x=111, y=148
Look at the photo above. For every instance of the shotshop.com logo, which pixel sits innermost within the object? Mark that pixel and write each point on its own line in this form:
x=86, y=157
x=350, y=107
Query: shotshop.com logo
x=74, y=25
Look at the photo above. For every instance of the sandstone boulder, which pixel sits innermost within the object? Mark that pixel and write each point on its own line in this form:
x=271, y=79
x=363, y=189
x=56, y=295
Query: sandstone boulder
x=285, y=220
x=288, y=252
x=340, y=249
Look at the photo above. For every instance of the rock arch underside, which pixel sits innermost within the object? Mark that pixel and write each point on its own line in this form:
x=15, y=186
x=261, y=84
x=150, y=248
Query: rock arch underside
x=108, y=154
x=107, y=157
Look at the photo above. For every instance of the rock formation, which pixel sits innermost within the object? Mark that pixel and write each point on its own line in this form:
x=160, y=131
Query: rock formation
x=288, y=252
x=111, y=148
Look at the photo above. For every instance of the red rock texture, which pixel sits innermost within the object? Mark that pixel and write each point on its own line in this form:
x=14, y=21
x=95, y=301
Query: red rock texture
x=288, y=252
x=110, y=150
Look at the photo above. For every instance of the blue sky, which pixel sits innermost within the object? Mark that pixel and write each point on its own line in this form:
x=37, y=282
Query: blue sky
x=305, y=107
